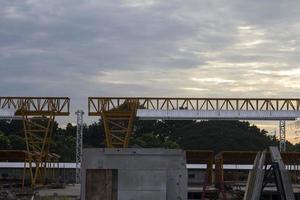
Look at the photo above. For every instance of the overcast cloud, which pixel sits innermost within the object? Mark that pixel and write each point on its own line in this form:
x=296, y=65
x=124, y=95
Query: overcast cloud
x=195, y=48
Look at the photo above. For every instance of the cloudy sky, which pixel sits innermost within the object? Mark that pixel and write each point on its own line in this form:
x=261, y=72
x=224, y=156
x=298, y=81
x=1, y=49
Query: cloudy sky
x=194, y=48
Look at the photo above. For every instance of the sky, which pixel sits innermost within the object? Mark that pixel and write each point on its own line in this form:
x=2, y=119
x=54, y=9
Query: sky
x=190, y=48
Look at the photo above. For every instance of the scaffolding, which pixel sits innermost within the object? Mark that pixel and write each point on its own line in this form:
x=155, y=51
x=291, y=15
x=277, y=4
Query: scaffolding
x=79, y=134
x=282, y=136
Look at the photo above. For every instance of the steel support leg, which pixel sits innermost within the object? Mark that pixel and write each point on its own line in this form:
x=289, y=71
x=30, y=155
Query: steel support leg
x=282, y=138
x=118, y=124
x=38, y=133
x=79, y=132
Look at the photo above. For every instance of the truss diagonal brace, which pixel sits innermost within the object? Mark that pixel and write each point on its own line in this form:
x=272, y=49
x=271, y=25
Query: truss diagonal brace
x=118, y=122
x=38, y=134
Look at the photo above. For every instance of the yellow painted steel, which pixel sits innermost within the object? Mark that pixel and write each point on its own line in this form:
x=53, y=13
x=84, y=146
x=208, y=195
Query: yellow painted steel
x=38, y=114
x=96, y=105
x=38, y=134
x=37, y=106
x=118, y=113
x=118, y=121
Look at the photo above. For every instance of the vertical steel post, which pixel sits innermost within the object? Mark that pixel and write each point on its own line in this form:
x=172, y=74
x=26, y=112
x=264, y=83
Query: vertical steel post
x=79, y=132
x=282, y=138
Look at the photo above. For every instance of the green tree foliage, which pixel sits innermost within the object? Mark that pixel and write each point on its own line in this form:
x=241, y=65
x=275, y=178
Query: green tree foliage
x=147, y=140
x=94, y=135
x=212, y=135
x=297, y=147
x=223, y=135
x=64, y=143
x=170, y=145
x=17, y=142
x=189, y=134
x=4, y=142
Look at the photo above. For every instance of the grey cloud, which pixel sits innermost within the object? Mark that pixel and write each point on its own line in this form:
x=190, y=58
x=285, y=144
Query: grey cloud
x=153, y=48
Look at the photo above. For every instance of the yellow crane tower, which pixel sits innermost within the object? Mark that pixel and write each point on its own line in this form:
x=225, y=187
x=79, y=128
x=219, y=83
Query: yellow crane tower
x=38, y=114
x=117, y=118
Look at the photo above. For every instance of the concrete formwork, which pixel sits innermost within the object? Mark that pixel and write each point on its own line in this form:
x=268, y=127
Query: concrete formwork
x=148, y=174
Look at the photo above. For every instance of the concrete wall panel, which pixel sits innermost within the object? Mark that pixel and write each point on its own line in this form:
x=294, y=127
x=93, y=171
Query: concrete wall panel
x=143, y=162
x=142, y=173
x=177, y=182
x=142, y=195
x=152, y=180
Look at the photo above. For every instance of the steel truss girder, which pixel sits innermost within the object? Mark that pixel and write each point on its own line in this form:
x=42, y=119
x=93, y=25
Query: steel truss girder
x=98, y=104
x=36, y=106
x=38, y=114
x=112, y=109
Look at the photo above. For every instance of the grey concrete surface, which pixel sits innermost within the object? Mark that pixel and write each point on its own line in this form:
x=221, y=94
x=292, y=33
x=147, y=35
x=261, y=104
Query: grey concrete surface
x=146, y=174
x=69, y=190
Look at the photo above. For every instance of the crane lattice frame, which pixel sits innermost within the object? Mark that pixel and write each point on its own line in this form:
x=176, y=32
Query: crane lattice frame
x=38, y=114
x=118, y=121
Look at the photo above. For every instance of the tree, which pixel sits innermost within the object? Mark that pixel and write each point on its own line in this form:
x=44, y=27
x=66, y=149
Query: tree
x=150, y=140
x=297, y=147
x=4, y=142
x=147, y=140
x=189, y=134
x=17, y=142
x=70, y=130
x=171, y=145
x=213, y=135
x=93, y=135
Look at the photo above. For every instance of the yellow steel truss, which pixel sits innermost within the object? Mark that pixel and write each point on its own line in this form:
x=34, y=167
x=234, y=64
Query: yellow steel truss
x=118, y=128
x=38, y=132
x=118, y=122
x=118, y=112
x=38, y=114
x=98, y=104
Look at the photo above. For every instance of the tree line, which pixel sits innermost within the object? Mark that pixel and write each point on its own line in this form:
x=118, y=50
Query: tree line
x=189, y=134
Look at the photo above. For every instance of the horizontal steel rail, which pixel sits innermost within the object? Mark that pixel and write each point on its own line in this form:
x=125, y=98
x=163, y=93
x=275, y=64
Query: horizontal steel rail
x=96, y=105
x=59, y=106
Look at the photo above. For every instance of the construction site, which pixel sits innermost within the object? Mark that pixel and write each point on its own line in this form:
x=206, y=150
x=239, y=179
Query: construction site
x=121, y=171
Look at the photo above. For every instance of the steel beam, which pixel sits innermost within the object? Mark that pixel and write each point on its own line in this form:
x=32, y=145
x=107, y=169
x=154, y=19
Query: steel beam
x=38, y=134
x=113, y=109
x=144, y=114
x=36, y=106
x=38, y=114
x=282, y=136
x=79, y=135
x=98, y=104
